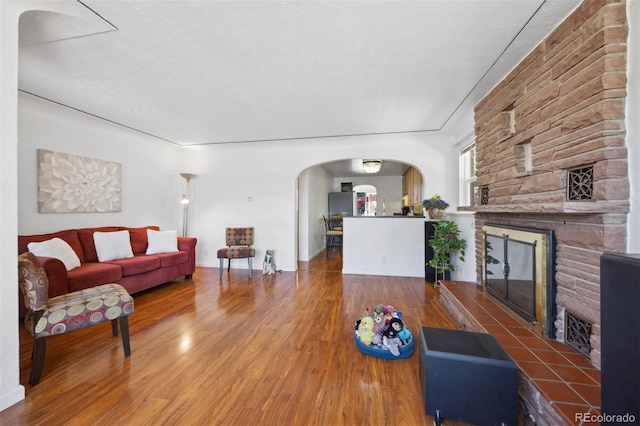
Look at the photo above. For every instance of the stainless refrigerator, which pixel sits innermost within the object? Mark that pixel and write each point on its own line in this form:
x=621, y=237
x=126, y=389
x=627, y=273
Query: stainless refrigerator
x=342, y=203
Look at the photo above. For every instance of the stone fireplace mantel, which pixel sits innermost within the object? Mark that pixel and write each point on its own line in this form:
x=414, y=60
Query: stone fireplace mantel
x=596, y=207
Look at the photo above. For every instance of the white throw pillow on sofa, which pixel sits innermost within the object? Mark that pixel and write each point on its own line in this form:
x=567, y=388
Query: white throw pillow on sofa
x=58, y=248
x=162, y=241
x=112, y=245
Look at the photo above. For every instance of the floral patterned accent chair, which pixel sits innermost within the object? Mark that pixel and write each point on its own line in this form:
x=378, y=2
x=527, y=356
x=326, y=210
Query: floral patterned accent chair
x=72, y=311
x=239, y=242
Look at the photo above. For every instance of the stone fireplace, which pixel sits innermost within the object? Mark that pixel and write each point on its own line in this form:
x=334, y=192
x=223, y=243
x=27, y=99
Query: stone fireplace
x=551, y=154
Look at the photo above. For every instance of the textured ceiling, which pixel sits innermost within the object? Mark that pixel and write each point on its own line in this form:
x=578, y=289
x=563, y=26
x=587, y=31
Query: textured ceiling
x=209, y=72
x=206, y=72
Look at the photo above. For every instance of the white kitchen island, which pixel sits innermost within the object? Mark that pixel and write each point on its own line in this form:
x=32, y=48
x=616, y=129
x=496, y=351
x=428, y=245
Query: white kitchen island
x=383, y=245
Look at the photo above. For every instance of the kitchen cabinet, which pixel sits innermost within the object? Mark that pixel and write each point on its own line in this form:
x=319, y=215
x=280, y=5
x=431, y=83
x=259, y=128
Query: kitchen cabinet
x=412, y=186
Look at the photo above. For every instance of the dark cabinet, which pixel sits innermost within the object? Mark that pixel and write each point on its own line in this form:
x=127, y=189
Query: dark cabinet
x=620, y=328
x=429, y=272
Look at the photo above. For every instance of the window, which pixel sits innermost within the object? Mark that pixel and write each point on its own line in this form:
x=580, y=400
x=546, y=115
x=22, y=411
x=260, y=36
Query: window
x=467, y=169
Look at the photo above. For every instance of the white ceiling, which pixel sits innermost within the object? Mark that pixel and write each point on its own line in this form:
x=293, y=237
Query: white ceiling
x=209, y=72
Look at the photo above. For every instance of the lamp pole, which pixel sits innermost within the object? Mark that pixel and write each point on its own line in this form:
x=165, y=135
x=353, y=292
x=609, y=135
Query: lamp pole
x=185, y=204
x=185, y=215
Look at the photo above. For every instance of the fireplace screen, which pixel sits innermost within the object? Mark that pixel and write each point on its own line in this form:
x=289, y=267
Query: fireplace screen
x=518, y=270
x=511, y=273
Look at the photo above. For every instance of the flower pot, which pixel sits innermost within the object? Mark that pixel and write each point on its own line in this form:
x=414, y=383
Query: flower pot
x=436, y=213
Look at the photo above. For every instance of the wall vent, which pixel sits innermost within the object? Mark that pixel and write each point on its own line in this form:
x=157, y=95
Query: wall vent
x=484, y=195
x=577, y=333
x=580, y=184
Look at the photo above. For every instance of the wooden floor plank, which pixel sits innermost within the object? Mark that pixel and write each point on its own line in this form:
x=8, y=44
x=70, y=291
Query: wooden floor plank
x=268, y=350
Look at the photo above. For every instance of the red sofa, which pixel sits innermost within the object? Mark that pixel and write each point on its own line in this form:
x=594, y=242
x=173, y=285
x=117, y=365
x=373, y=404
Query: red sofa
x=135, y=274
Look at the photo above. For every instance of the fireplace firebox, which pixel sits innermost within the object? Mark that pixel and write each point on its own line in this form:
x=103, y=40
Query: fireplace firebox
x=519, y=270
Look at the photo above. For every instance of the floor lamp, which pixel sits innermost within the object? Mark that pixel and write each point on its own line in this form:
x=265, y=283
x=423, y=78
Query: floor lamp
x=185, y=204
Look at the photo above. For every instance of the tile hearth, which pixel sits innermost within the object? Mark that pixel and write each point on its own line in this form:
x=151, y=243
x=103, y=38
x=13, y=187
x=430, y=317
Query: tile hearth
x=557, y=378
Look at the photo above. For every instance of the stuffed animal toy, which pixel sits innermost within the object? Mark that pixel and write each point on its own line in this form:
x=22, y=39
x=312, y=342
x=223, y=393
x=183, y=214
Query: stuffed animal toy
x=405, y=336
x=379, y=309
x=389, y=313
x=390, y=338
x=378, y=319
x=365, y=330
x=377, y=339
x=394, y=328
x=269, y=264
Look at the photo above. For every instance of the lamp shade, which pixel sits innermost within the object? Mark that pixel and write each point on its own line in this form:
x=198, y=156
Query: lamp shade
x=371, y=166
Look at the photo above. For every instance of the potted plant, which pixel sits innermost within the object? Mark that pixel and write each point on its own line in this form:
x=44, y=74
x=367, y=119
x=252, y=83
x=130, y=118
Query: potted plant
x=435, y=206
x=446, y=242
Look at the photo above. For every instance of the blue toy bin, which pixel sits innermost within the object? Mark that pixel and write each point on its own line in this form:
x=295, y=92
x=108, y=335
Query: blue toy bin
x=406, y=350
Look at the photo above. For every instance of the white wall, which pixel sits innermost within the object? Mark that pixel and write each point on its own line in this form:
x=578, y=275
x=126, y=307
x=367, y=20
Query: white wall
x=314, y=185
x=464, y=271
x=10, y=389
x=151, y=184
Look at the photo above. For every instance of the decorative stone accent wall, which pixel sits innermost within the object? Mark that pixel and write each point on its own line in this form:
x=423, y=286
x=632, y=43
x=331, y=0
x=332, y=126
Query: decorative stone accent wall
x=560, y=109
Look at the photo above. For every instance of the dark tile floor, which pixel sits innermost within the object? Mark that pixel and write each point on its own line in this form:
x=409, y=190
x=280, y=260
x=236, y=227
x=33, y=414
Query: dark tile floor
x=562, y=374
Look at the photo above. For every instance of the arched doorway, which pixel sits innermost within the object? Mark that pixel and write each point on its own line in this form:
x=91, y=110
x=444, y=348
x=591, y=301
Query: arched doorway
x=366, y=200
x=317, y=181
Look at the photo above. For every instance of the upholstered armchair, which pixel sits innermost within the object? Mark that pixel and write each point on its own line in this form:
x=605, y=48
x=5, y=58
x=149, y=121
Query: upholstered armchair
x=239, y=242
x=57, y=315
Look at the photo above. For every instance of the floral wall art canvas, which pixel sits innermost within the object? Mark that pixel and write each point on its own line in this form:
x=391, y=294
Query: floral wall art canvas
x=69, y=183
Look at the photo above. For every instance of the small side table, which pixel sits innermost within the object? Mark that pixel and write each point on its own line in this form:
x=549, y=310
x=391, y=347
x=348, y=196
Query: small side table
x=468, y=377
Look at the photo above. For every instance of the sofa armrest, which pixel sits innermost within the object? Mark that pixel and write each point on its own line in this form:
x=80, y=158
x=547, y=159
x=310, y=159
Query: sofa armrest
x=188, y=244
x=57, y=277
x=56, y=274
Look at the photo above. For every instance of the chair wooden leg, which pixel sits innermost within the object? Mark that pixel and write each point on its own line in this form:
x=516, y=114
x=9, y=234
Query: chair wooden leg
x=331, y=241
x=124, y=328
x=250, y=267
x=114, y=327
x=221, y=267
x=37, y=360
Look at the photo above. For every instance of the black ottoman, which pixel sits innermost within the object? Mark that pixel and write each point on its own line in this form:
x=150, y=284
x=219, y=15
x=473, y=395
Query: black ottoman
x=467, y=377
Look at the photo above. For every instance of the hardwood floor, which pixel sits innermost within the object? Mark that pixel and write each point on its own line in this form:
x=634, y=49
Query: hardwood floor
x=273, y=350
